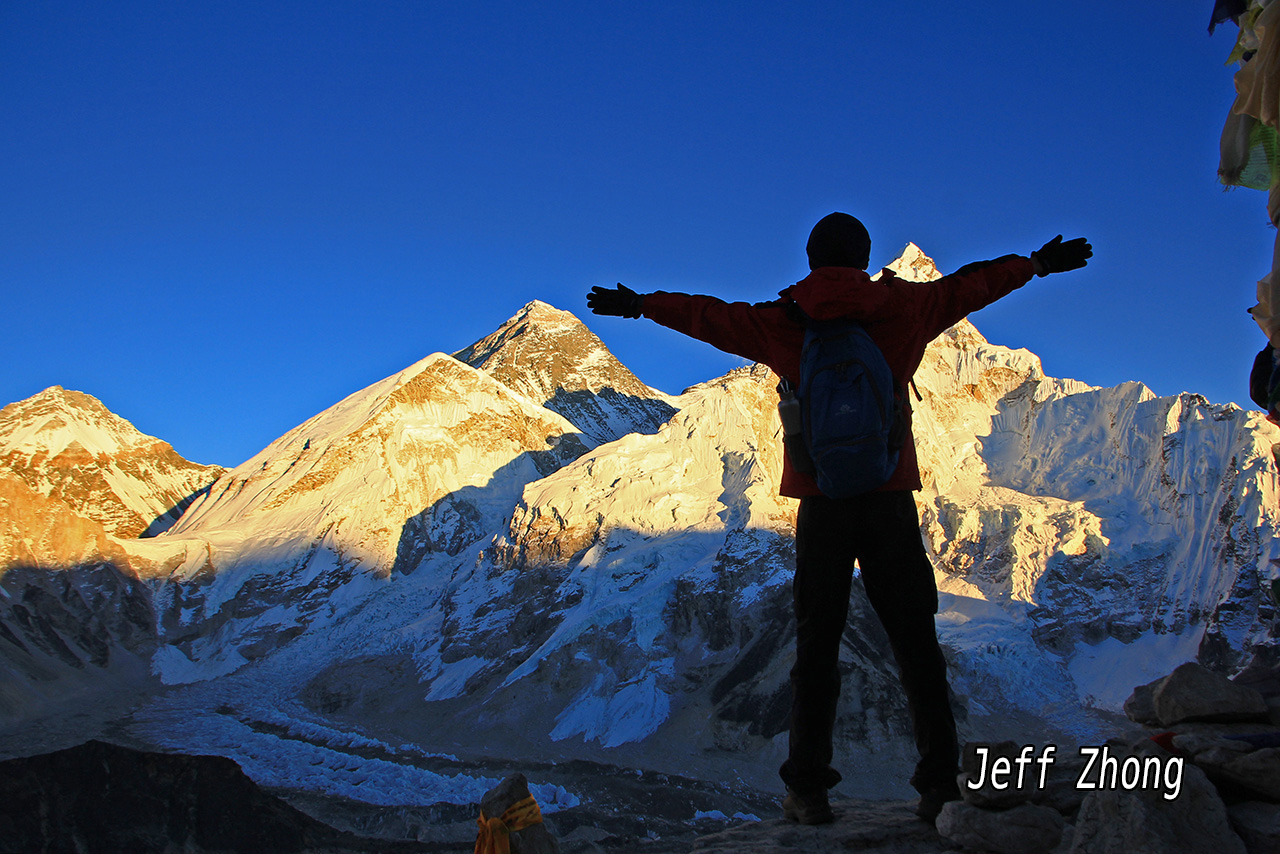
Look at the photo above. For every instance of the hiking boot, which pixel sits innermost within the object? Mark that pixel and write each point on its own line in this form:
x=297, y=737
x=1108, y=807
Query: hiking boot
x=931, y=801
x=807, y=808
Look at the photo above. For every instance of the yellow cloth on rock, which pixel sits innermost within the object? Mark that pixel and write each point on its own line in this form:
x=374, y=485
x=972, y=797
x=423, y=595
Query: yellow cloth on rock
x=494, y=832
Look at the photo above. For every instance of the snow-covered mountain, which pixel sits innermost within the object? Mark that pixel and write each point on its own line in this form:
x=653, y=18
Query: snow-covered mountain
x=424, y=463
x=549, y=356
x=913, y=265
x=522, y=553
x=69, y=448
x=77, y=485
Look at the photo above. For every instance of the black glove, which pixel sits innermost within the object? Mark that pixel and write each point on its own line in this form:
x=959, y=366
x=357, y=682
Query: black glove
x=1058, y=257
x=616, y=302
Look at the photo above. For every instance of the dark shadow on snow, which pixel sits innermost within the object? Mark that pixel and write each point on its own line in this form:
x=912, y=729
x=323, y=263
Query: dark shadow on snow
x=607, y=414
x=170, y=517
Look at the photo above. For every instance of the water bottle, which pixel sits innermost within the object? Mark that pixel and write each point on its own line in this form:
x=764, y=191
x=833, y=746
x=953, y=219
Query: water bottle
x=793, y=427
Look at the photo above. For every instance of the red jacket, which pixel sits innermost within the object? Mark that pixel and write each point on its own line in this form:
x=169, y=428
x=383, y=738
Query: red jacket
x=900, y=316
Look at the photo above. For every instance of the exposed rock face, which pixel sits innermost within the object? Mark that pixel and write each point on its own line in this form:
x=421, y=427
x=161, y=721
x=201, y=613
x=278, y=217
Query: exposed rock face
x=913, y=265
x=77, y=485
x=74, y=618
x=40, y=531
x=549, y=356
x=99, y=798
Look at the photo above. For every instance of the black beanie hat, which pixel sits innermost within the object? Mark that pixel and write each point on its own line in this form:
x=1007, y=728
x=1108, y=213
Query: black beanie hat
x=839, y=240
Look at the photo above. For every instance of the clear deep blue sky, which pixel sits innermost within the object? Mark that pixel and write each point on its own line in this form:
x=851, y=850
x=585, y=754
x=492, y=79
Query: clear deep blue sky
x=220, y=218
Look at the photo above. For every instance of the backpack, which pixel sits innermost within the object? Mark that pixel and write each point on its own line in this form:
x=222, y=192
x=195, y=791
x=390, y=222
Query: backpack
x=851, y=423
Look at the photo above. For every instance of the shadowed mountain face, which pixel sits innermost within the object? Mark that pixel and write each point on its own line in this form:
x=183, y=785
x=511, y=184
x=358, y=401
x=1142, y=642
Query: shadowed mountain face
x=453, y=567
x=101, y=798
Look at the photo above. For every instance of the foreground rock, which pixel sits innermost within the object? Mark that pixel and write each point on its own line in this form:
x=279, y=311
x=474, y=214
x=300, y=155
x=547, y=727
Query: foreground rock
x=101, y=798
x=885, y=827
x=1145, y=822
x=1193, y=693
x=1024, y=829
x=1211, y=744
x=1257, y=824
x=510, y=806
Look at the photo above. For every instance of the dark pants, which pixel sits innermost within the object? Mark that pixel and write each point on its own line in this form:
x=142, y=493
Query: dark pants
x=881, y=530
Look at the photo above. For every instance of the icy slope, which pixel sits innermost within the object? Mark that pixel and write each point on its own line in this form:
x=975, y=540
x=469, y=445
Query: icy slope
x=634, y=609
x=368, y=463
x=1119, y=532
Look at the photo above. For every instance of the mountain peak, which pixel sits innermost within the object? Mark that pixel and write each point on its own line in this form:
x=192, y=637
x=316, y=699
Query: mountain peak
x=542, y=349
x=537, y=306
x=550, y=356
x=51, y=421
x=914, y=266
x=66, y=445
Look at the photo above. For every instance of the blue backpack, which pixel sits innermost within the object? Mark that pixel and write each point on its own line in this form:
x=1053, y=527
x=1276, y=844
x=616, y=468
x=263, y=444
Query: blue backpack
x=851, y=427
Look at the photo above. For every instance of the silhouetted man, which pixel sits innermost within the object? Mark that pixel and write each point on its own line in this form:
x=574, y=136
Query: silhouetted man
x=880, y=529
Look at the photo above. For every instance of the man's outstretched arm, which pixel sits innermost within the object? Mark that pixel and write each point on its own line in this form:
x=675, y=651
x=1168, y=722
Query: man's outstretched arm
x=736, y=327
x=976, y=285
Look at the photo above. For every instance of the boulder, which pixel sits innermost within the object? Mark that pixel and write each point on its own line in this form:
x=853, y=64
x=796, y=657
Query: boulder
x=1194, y=743
x=1192, y=692
x=531, y=839
x=1237, y=765
x=1257, y=771
x=1060, y=791
x=1258, y=826
x=980, y=764
x=1116, y=821
x=1141, y=705
x=1024, y=829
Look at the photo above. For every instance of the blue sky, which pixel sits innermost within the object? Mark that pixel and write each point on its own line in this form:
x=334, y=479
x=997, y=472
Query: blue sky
x=221, y=218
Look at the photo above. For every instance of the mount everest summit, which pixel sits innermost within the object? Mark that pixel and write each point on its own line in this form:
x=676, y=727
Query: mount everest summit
x=522, y=553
